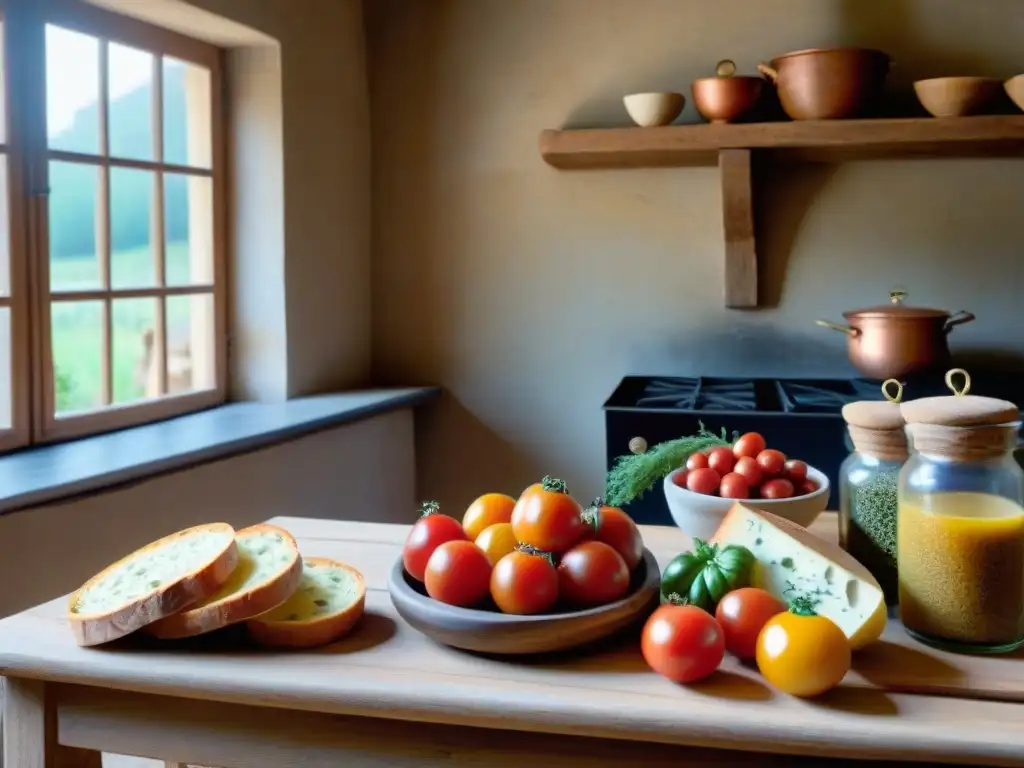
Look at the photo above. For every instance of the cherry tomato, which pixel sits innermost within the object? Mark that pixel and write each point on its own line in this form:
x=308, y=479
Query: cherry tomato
x=795, y=471
x=703, y=481
x=734, y=486
x=592, y=573
x=530, y=489
x=524, y=583
x=487, y=510
x=679, y=477
x=743, y=614
x=803, y=655
x=458, y=573
x=749, y=444
x=430, y=531
x=805, y=487
x=771, y=462
x=721, y=460
x=617, y=529
x=779, y=488
x=683, y=643
x=697, y=461
x=548, y=518
x=750, y=470
x=497, y=541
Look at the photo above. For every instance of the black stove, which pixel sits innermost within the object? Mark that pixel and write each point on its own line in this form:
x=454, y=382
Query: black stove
x=800, y=417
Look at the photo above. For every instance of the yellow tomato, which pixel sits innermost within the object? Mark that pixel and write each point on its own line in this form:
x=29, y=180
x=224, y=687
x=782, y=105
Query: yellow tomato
x=803, y=655
x=497, y=541
x=489, y=509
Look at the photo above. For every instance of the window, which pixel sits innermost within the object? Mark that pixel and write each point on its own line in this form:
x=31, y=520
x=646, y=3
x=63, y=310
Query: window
x=111, y=236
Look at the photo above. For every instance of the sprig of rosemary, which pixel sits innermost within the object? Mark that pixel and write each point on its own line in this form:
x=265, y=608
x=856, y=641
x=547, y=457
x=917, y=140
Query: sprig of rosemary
x=634, y=475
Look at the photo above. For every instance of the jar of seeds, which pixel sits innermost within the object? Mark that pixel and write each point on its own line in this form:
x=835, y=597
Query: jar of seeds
x=868, y=483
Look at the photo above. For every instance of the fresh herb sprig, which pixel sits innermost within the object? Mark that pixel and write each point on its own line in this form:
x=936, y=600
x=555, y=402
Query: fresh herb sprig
x=634, y=475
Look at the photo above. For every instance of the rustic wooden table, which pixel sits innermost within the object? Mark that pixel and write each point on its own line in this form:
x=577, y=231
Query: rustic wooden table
x=388, y=696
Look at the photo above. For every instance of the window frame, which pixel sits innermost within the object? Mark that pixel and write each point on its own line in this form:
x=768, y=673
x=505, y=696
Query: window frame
x=34, y=418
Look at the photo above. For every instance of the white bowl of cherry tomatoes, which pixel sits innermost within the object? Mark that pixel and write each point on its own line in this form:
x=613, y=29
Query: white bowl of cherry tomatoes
x=700, y=493
x=532, y=575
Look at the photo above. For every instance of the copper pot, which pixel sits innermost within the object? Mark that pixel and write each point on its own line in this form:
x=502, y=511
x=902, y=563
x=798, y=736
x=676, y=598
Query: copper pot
x=728, y=96
x=828, y=83
x=894, y=340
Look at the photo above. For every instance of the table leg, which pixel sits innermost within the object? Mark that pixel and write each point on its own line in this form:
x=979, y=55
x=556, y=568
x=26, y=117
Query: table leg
x=30, y=730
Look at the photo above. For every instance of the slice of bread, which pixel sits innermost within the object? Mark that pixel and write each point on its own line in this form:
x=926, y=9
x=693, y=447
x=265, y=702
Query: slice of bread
x=269, y=569
x=327, y=604
x=156, y=581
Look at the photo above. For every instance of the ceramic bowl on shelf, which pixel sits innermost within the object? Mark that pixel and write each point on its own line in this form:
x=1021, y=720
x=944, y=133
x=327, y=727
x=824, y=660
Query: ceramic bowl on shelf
x=1015, y=90
x=652, y=109
x=493, y=632
x=956, y=96
x=699, y=515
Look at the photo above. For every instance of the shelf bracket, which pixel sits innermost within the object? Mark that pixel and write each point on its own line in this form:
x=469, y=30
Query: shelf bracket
x=734, y=167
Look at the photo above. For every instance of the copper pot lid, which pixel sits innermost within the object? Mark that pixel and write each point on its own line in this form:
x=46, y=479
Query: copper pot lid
x=726, y=70
x=837, y=49
x=896, y=309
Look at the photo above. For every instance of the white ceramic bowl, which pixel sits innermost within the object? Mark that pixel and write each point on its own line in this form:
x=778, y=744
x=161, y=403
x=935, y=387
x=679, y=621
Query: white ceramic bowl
x=652, y=109
x=699, y=515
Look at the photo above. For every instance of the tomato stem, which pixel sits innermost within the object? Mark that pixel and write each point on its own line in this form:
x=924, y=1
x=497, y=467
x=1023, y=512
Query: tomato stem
x=592, y=514
x=528, y=549
x=674, y=598
x=553, y=484
x=428, y=508
x=802, y=606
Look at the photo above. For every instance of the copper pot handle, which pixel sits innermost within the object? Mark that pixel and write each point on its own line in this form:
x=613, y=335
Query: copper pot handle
x=848, y=330
x=956, y=319
x=770, y=72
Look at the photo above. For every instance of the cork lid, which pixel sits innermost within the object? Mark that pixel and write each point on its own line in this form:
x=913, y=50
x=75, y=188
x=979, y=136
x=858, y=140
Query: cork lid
x=960, y=409
x=877, y=414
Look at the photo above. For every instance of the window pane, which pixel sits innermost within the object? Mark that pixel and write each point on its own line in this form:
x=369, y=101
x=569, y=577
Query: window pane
x=131, y=206
x=74, y=263
x=136, y=362
x=131, y=102
x=5, y=229
x=72, y=90
x=187, y=114
x=190, y=343
x=188, y=222
x=6, y=397
x=77, y=334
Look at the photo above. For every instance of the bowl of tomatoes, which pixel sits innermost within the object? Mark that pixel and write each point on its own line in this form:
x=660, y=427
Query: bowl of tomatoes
x=521, y=576
x=700, y=493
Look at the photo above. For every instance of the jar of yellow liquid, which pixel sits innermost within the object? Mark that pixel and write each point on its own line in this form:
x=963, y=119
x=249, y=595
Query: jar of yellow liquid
x=960, y=523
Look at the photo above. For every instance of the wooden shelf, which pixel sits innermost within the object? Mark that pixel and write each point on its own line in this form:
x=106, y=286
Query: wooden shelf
x=733, y=146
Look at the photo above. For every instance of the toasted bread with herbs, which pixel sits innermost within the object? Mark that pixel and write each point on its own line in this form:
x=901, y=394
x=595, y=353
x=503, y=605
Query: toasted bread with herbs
x=325, y=607
x=268, y=572
x=153, y=582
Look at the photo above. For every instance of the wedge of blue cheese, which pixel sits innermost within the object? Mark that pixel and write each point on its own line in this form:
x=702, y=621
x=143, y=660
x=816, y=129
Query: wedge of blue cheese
x=793, y=562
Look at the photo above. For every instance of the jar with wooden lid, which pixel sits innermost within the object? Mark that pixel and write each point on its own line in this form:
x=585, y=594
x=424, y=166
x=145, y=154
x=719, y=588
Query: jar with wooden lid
x=960, y=525
x=868, y=481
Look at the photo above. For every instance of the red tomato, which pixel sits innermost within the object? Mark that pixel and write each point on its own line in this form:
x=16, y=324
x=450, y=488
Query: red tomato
x=743, y=614
x=524, y=583
x=697, y=461
x=430, y=531
x=458, y=573
x=795, y=471
x=734, y=486
x=721, y=460
x=750, y=469
x=779, y=488
x=805, y=487
x=749, y=444
x=703, y=481
x=530, y=489
x=592, y=573
x=683, y=643
x=548, y=518
x=617, y=529
x=679, y=477
x=771, y=462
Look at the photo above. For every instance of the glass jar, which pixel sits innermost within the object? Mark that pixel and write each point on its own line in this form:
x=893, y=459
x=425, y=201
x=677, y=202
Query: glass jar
x=960, y=525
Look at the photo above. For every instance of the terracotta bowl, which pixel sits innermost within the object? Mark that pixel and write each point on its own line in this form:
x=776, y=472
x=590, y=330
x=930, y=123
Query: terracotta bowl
x=652, y=109
x=1015, y=90
x=490, y=631
x=699, y=515
x=956, y=96
x=725, y=99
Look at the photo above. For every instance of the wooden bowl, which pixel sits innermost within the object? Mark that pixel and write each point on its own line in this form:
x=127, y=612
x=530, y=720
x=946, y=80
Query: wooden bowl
x=956, y=96
x=490, y=631
x=652, y=109
x=1015, y=90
